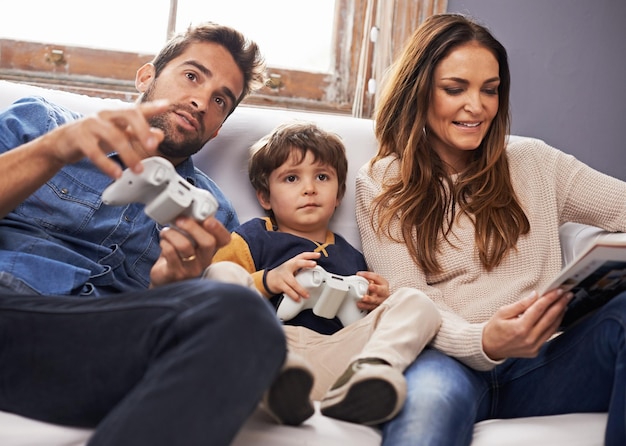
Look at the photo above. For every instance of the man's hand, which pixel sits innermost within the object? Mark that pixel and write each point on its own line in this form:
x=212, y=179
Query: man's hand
x=26, y=168
x=282, y=279
x=187, y=249
x=520, y=329
x=125, y=131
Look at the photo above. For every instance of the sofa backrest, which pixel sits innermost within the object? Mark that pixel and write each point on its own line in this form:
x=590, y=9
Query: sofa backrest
x=225, y=157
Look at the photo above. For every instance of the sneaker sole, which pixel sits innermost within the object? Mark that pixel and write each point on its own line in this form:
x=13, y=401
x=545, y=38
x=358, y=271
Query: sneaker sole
x=368, y=402
x=289, y=399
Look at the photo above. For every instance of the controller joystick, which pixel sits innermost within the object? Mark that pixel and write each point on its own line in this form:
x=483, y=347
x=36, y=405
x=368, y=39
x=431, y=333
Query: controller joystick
x=165, y=194
x=330, y=295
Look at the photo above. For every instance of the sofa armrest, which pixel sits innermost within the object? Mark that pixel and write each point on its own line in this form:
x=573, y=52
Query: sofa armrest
x=575, y=237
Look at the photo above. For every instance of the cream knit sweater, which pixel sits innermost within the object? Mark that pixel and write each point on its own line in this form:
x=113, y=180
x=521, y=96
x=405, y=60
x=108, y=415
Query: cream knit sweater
x=553, y=188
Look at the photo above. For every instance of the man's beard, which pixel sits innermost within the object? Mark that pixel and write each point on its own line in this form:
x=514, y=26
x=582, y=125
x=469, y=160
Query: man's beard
x=170, y=148
x=187, y=144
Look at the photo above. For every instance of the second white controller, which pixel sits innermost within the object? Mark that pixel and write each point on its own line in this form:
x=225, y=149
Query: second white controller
x=330, y=295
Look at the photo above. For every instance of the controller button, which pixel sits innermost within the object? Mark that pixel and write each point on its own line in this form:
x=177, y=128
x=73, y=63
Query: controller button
x=159, y=174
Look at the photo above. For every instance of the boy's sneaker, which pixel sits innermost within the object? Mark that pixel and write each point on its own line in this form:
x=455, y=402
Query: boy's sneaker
x=369, y=392
x=288, y=400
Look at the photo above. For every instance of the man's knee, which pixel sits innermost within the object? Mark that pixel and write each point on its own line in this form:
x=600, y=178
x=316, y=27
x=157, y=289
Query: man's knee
x=234, y=313
x=234, y=301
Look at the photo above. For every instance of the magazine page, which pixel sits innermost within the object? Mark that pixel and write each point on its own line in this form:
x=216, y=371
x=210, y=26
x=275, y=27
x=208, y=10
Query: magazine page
x=595, y=277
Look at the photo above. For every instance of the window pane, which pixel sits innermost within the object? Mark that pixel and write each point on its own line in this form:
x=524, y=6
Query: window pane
x=122, y=25
x=292, y=34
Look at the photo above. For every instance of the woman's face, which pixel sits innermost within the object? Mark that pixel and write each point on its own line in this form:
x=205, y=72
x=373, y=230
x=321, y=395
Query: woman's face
x=463, y=104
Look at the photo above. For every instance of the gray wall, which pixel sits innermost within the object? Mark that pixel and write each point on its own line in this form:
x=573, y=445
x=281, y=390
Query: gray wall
x=568, y=69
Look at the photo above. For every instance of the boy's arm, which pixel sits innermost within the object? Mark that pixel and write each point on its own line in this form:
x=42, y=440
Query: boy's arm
x=269, y=282
x=238, y=251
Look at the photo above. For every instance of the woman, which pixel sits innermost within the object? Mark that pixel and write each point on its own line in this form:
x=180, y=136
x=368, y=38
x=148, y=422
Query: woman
x=448, y=207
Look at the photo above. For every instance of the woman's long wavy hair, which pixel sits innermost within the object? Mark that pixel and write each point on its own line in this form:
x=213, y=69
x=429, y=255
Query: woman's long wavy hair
x=424, y=200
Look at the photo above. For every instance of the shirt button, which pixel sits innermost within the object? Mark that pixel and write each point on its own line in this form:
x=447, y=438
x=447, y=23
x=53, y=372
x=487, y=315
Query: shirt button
x=64, y=191
x=126, y=218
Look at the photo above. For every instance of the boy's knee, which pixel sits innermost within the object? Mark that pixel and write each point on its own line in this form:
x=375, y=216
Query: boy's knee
x=416, y=302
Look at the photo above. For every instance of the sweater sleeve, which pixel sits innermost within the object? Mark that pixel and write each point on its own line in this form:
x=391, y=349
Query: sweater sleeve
x=552, y=187
x=456, y=337
x=585, y=194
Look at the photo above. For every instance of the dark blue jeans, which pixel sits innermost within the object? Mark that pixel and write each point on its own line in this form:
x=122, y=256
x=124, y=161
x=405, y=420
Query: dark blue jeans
x=582, y=370
x=185, y=363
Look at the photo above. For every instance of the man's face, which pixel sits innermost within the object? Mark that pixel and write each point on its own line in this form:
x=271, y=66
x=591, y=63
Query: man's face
x=203, y=85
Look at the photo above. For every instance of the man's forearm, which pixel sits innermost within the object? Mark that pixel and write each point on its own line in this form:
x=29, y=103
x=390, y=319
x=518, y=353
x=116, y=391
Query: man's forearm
x=23, y=170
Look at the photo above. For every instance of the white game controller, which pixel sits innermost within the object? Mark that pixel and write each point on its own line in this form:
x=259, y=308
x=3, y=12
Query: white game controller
x=165, y=193
x=330, y=295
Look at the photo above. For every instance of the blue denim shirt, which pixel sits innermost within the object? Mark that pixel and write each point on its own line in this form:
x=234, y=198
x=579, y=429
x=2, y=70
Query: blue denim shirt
x=63, y=239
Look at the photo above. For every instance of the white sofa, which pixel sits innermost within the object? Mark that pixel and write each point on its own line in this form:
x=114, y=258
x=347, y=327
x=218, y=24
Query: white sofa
x=224, y=159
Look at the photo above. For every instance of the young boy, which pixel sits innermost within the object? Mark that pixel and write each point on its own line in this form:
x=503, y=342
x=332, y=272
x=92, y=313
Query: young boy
x=299, y=174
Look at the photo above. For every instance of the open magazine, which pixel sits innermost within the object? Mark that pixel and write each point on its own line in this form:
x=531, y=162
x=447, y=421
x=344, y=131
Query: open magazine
x=595, y=276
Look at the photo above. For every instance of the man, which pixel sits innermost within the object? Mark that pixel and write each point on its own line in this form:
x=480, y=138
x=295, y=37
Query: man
x=103, y=321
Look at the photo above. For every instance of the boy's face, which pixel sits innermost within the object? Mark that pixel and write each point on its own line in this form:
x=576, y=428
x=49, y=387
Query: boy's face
x=303, y=197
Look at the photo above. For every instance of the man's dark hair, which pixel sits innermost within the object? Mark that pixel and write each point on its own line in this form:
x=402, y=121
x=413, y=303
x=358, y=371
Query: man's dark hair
x=245, y=52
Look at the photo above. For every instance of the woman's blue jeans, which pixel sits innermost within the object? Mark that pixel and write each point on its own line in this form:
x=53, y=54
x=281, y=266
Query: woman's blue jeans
x=180, y=364
x=582, y=370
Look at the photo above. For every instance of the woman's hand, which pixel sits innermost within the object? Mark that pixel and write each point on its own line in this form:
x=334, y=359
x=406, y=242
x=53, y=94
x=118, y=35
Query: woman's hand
x=520, y=329
x=377, y=291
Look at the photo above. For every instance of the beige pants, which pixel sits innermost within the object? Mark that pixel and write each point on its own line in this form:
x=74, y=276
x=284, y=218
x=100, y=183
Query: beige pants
x=397, y=331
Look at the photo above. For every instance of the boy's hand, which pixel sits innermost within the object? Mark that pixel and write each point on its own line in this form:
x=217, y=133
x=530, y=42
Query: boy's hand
x=282, y=279
x=377, y=291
